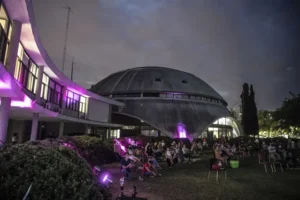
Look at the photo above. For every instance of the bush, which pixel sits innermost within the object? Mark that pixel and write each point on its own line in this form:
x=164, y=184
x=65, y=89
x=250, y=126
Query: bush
x=55, y=171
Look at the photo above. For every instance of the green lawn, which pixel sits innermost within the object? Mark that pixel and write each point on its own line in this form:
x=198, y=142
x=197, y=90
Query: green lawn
x=190, y=182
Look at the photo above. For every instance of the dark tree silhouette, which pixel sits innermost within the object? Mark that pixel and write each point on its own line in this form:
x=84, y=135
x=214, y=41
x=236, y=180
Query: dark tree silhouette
x=249, y=111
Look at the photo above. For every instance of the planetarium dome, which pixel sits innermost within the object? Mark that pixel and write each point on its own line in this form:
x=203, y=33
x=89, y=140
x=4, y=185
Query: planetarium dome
x=164, y=98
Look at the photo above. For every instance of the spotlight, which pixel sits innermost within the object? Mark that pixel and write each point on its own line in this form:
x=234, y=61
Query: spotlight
x=105, y=179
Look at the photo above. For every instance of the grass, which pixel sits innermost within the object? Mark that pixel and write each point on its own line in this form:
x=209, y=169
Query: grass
x=189, y=182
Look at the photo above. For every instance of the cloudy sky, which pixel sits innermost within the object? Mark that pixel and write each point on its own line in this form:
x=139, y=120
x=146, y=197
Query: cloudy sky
x=223, y=42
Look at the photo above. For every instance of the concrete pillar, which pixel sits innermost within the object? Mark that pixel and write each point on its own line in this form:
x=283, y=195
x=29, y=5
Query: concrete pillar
x=13, y=47
x=34, y=126
x=39, y=84
x=61, y=129
x=4, y=117
x=10, y=66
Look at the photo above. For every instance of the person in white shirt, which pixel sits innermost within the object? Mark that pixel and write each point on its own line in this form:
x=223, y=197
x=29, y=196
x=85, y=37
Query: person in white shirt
x=273, y=152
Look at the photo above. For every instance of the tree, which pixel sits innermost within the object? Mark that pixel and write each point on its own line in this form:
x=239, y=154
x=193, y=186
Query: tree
x=249, y=111
x=266, y=121
x=288, y=115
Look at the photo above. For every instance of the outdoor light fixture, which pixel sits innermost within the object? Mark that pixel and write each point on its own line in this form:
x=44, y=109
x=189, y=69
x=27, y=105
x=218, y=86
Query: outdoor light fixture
x=120, y=145
x=181, y=130
x=105, y=179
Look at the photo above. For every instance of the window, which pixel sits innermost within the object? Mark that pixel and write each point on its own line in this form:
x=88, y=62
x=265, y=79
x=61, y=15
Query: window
x=82, y=106
x=151, y=94
x=32, y=78
x=158, y=80
x=185, y=96
x=76, y=102
x=192, y=97
x=44, y=88
x=163, y=95
x=178, y=96
x=184, y=81
x=170, y=95
x=198, y=98
x=5, y=33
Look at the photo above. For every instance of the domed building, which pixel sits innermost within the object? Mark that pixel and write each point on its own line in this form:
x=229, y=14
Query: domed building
x=166, y=101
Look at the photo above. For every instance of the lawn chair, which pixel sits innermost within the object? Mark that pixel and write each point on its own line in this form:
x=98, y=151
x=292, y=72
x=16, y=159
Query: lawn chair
x=212, y=163
x=274, y=162
x=263, y=161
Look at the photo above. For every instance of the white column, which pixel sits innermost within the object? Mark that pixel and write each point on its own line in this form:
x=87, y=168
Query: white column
x=61, y=128
x=4, y=117
x=10, y=65
x=39, y=84
x=34, y=126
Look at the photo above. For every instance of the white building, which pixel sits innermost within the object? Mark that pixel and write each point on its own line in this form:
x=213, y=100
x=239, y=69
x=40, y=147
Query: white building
x=37, y=99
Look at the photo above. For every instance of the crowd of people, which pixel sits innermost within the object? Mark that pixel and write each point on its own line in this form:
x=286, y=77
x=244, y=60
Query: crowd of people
x=273, y=150
x=145, y=159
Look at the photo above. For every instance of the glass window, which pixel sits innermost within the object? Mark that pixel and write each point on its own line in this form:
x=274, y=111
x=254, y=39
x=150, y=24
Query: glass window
x=170, y=95
x=185, y=96
x=20, y=51
x=4, y=20
x=178, y=96
x=198, y=98
x=163, y=95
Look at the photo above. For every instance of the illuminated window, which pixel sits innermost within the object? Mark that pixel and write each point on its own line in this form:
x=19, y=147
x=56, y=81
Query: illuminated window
x=5, y=33
x=32, y=78
x=82, y=106
x=44, y=88
x=76, y=102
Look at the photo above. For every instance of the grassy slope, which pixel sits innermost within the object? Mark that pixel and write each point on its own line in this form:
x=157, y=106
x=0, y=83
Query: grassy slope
x=190, y=182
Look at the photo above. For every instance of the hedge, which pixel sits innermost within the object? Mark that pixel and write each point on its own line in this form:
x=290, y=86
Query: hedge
x=55, y=171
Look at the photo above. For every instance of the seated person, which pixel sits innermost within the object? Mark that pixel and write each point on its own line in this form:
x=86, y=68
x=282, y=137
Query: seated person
x=171, y=160
x=126, y=166
x=186, y=153
x=218, y=153
x=148, y=169
x=150, y=156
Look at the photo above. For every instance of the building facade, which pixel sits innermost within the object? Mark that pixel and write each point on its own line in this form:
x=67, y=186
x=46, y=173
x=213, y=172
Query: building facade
x=37, y=99
x=160, y=100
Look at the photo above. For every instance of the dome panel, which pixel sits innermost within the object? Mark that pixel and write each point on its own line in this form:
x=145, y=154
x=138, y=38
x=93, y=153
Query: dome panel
x=154, y=79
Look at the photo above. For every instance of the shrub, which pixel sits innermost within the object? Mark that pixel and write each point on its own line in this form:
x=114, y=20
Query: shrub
x=56, y=172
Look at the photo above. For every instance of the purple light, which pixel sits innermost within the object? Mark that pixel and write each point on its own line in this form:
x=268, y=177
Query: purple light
x=4, y=85
x=105, y=178
x=181, y=130
x=121, y=146
x=26, y=103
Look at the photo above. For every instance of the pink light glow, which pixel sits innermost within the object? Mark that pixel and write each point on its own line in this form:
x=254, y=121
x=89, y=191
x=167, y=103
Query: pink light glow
x=26, y=103
x=120, y=145
x=77, y=92
x=4, y=85
x=181, y=130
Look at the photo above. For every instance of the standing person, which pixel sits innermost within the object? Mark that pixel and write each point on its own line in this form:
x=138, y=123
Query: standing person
x=15, y=138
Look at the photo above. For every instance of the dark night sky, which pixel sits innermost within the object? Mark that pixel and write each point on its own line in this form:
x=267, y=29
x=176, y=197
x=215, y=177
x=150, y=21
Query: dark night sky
x=224, y=42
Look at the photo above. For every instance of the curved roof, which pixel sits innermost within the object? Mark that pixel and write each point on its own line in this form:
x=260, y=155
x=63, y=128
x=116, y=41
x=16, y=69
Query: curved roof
x=154, y=79
x=166, y=114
